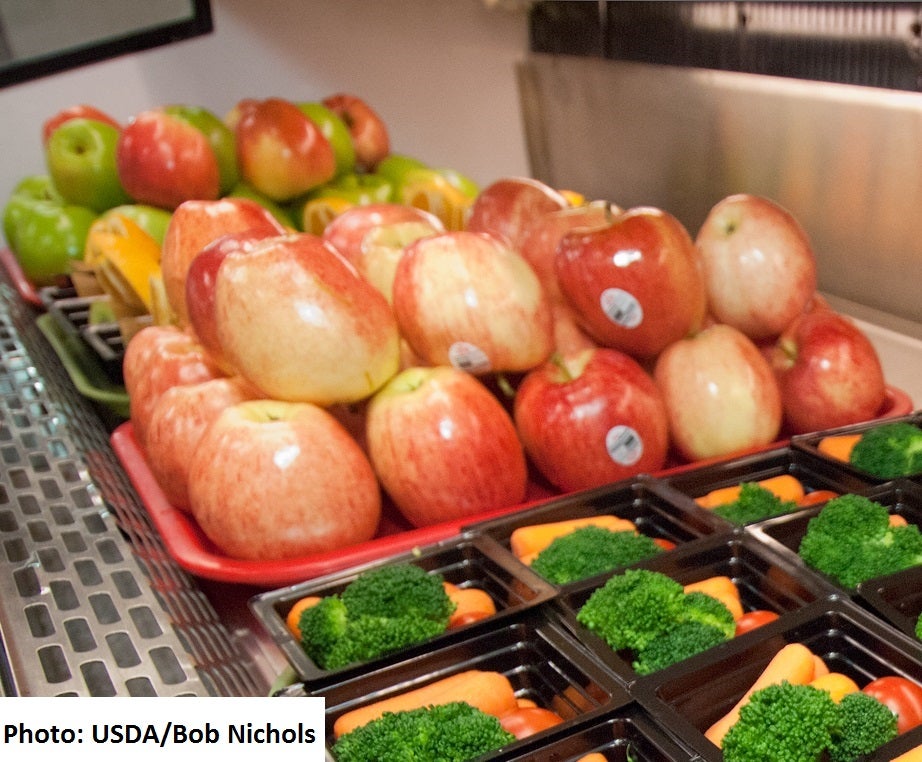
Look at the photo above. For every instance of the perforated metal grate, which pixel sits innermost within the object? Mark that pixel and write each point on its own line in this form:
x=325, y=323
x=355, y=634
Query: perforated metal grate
x=90, y=602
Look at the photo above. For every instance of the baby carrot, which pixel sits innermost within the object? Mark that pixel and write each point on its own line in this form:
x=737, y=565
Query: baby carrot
x=785, y=486
x=838, y=446
x=532, y=539
x=794, y=663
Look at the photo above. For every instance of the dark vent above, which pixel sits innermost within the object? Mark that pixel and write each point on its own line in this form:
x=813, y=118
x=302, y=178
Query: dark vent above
x=862, y=43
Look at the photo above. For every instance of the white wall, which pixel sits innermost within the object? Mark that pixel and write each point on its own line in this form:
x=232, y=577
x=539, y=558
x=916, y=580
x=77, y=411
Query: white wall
x=439, y=72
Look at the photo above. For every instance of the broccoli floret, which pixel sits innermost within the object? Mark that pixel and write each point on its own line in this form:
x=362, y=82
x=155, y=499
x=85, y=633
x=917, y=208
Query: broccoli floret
x=367, y=637
x=398, y=590
x=684, y=640
x=864, y=725
x=632, y=609
x=381, y=611
x=322, y=625
x=889, y=450
x=592, y=550
x=919, y=627
x=452, y=732
x=755, y=503
x=782, y=723
x=851, y=539
x=707, y=610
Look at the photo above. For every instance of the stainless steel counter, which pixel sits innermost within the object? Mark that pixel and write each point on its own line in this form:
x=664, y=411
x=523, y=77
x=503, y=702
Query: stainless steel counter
x=91, y=604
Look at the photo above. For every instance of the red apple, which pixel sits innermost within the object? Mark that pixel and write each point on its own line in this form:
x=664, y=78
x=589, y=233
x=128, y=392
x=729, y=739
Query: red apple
x=195, y=224
x=302, y=325
x=720, y=392
x=467, y=300
x=347, y=230
x=158, y=358
x=758, y=265
x=506, y=207
x=163, y=160
x=368, y=130
x=201, y=278
x=443, y=447
x=828, y=372
x=178, y=421
x=78, y=111
x=281, y=153
x=633, y=282
x=540, y=238
x=382, y=249
x=273, y=480
x=590, y=418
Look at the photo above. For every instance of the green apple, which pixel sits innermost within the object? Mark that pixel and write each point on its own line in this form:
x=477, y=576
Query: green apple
x=151, y=219
x=282, y=214
x=80, y=157
x=45, y=235
x=34, y=187
x=395, y=166
x=356, y=188
x=219, y=135
x=335, y=130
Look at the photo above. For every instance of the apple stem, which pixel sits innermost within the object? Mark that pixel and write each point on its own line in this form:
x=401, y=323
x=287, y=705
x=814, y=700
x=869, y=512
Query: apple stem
x=504, y=386
x=557, y=359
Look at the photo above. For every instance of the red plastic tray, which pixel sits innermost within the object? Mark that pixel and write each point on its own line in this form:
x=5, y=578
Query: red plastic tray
x=194, y=552
x=21, y=283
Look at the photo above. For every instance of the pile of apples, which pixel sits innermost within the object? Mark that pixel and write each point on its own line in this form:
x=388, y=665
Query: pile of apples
x=307, y=378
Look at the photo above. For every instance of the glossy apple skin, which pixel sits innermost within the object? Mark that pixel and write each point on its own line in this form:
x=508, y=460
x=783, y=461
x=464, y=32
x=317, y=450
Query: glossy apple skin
x=828, y=371
x=273, y=480
x=158, y=358
x=200, y=287
x=280, y=152
x=163, y=161
x=178, y=421
x=443, y=447
x=347, y=231
x=301, y=324
x=368, y=130
x=77, y=111
x=758, y=265
x=196, y=223
x=540, y=238
x=720, y=392
x=466, y=299
x=506, y=207
x=590, y=418
x=634, y=283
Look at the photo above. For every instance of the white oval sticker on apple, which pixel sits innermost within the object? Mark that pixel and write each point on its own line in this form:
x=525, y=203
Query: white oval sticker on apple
x=624, y=445
x=468, y=357
x=621, y=307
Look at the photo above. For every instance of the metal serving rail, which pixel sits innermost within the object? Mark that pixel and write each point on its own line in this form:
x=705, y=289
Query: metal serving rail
x=91, y=604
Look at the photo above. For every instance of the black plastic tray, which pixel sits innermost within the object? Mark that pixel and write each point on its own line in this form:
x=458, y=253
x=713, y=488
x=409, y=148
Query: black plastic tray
x=764, y=580
x=468, y=562
x=784, y=533
x=641, y=500
x=627, y=734
x=896, y=598
x=814, y=472
x=810, y=443
x=688, y=698
x=539, y=657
